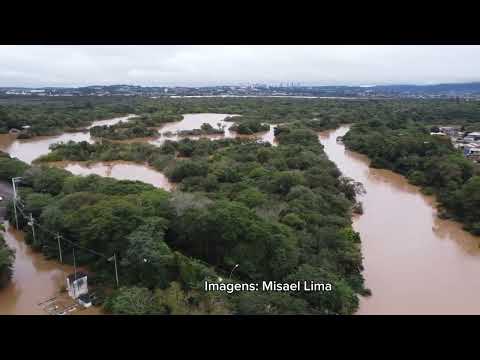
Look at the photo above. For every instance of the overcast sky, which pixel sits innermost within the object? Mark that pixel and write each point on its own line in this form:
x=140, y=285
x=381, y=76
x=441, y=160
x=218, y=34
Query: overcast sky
x=225, y=65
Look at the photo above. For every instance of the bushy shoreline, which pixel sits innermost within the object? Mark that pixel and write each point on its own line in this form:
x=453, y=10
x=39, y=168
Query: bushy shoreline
x=282, y=213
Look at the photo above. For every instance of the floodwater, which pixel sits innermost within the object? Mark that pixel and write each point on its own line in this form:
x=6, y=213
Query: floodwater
x=121, y=170
x=195, y=121
x=415, y=263
x=35, y=280
x=29, y=149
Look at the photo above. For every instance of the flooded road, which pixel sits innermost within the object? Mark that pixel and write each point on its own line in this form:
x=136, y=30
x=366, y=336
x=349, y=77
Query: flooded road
x=415, y=263
x=35, y=279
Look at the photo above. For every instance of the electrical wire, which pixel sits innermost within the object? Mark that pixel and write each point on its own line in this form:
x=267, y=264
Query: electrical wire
x=62, y=238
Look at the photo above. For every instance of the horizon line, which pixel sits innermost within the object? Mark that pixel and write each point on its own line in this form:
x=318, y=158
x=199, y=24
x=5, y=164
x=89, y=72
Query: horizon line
x=270, y=84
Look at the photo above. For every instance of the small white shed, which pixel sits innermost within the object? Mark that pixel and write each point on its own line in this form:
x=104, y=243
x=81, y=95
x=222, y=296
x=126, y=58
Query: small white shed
x=77, y=284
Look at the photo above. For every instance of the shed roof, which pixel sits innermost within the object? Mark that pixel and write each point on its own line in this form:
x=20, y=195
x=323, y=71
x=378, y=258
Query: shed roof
x=80, y=274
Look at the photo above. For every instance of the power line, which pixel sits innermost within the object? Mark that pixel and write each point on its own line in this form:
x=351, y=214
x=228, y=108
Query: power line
x=34, y=221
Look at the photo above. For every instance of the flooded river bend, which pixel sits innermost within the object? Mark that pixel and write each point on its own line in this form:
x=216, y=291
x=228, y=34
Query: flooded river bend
x=415, y=263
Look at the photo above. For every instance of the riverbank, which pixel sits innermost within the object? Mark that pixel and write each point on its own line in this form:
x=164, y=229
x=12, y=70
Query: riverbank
x=431, y=162
x=414, y=262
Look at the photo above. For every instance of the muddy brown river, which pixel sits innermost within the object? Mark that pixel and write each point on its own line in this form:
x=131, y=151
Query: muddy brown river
x=29, y=149
x=36, y=279
x=194, y=121
x=415, y=263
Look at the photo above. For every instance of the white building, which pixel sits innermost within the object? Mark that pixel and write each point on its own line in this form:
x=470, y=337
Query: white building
x=448, y=130
x=77, y=284
x=475, y=135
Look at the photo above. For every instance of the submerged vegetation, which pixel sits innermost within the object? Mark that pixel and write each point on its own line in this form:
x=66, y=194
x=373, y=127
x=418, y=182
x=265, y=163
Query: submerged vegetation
x=205, y=129
x=246, y=125
x=282, y=213
x=122, y=131
x=137, y=127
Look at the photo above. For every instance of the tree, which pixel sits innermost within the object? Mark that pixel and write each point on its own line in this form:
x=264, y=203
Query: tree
x=7, y=257
x=172, y=301
x=10, y=168
x=148, y=260
x=340, y=300
x=251, y=197
x=285, y=180
x=294, y=221
x=131, y=301
x=259, y=303
x=46, y=179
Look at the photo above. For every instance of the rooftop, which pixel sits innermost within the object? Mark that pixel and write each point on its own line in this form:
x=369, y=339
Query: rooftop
x=80, y=274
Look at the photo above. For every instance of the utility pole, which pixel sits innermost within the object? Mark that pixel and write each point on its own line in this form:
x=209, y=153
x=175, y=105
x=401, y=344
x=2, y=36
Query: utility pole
x=59, y=247
x=114, y=259
x=116, y=271
x=75, y=272
x=33, y=229
x=15, y=201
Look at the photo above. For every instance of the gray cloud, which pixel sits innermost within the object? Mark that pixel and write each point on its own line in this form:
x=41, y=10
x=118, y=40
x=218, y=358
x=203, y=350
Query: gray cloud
x=216, y=65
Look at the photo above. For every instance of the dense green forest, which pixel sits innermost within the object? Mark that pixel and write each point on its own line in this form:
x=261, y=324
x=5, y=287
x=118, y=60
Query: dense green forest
x=428, y=161
x=7, y=257
x=51, y=116
x=282, y=213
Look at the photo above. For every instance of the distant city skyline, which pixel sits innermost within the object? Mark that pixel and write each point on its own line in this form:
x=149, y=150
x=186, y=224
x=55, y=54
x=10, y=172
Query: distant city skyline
x=253, y=84
x=200, y=66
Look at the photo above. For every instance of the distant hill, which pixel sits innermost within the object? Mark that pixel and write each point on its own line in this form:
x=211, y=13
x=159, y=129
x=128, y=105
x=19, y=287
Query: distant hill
x=473, y=87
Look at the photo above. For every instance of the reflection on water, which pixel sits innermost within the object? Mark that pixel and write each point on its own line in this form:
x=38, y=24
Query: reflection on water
x=415, y=263
x=37, y=279
x=29, y=149
x=121, y=170
x=195, y=121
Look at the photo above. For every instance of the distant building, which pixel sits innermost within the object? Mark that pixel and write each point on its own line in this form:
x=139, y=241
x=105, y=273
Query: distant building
x=475, y=135
x=449, y=130
x=474, y=151
x=471, y=149
x=77, y=284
